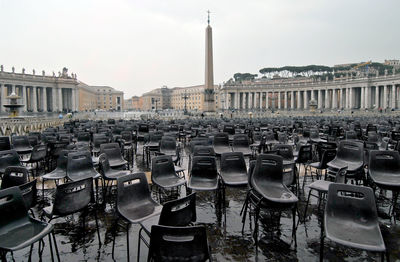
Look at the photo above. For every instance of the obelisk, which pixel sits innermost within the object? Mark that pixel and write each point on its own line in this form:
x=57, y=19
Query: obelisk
x=209, y=102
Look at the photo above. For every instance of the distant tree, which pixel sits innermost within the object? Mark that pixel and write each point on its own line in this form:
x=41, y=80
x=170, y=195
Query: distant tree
x=244, y=76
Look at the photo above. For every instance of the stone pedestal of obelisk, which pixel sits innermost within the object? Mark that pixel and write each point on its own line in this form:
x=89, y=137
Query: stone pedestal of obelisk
x=209, y=99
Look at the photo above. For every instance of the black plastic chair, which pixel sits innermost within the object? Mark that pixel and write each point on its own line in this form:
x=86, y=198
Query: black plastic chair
x=178, y=213
x=14, y=176
x=164, y=176
x=83, y=137
x=108, y=174
x=384, y=172
x=21, y=144
x=327, y=156
x=17, y=229
x=267, y=191
x=350, y=154
x=241, y=144
x=221, y=143
x=134, y=202
x=29, y=193
x=233, y=171
x=97, y=141
x=179, y=244
x=204, y=174
x=113, y=152
x=9, y=158
x=80, y=166
x=5, y=143
x=70, y=198
x=351, y=219
x=37, y=158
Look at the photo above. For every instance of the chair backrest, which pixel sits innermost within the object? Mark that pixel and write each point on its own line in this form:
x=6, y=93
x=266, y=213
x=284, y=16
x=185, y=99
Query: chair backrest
x=29, y=192
x=167, y=143
x=285, y=151
x=384, y=161
x=203, y=151
x=305, y=154
x=84, y=136
x=112, y=150
x=268, y=167
x=179, y=212
x=14, y=176
x=178, y=244
x=327, y=156
x=132, y=188
x=204, y=166
x=221, y=139
x=241, y=140
x=104, y=164
x=350, y=151
x=351, y=135
x=351, y=202
x=72, y=196
x=233, y=162
x=12, y=209
x=5, y=143
x=39, y=152
x=230, y=129
x=79, y=164
x=9, y=158
x=20, y=141
x=314, y=133
x=33, y=140
x=197, y=142
x=127, y=136
x=162, y=166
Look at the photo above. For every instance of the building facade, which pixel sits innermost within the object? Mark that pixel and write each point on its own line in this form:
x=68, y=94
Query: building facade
x=62, y=93
x=134, y=103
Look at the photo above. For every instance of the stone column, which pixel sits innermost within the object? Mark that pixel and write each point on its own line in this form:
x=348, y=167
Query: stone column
x=292, y=100
x=3, y=101
x=34, y=99
x=319, y=99
x=44, y=99
x=285, y=103
x=377, y=102
x=367, y=99
x=393, y=96
x=261, y=100
x=298, y=99
x=312, y=95
x=305, y=98
x=23, y=95
x=279, y=100
x=327, y=99
x=385, y=96
x=362, y=105
x=60, y=100
x=266, y=100
x=351, y=98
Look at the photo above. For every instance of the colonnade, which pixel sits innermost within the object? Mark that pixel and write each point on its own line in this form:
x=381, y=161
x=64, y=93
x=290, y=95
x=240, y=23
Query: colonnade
x=385, y=96
x=40, y=98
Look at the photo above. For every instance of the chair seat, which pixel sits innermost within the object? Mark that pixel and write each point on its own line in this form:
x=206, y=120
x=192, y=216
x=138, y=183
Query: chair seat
x=320, y=185
x=221, y=149
x=22, y=236
x=234, y=178
x=351, y=166
x=316, y=165
x=140, y=212
x=55, y=174
x=200, y=184
x=362, y=235
x=277, y=193
x=388, y=180
x=168, y=181
x=114, y=174
x=117, y=162
x=85, y=175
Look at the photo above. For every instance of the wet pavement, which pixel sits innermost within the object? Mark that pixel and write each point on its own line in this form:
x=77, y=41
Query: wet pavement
x=227, y=241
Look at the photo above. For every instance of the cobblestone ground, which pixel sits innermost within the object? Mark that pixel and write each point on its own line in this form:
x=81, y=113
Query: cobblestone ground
x=227, y=241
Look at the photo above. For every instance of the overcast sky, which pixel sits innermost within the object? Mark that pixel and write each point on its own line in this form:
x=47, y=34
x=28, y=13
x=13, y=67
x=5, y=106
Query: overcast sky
x=136, y=46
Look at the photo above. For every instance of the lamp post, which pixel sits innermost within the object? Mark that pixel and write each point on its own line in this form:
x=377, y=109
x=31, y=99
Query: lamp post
x=185, y=97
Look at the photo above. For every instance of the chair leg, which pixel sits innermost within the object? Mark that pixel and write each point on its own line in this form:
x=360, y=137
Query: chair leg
x=115, y=232
x=97, y=226
x=294, y=229
x=51, y=249
x=127, y=242
x=321, y=248
x=139, y=240
x=30, y=254
x=308, y=201
x=55, y=246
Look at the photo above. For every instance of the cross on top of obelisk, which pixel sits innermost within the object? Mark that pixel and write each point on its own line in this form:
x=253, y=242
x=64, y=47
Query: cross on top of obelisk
x=208, y=19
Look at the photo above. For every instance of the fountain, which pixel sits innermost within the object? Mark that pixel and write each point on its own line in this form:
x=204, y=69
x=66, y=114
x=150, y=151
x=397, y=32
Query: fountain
x=13, y=106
